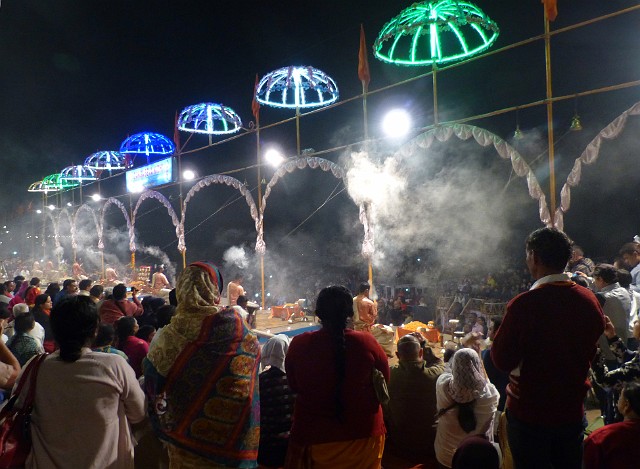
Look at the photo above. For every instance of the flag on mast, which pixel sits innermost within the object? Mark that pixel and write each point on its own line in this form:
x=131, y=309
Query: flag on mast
x=551, y=9
x=255, y=105
x=363, y=61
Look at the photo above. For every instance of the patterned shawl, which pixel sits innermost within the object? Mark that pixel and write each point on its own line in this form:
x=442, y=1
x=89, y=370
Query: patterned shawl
x=201, y=377
x=468, y=378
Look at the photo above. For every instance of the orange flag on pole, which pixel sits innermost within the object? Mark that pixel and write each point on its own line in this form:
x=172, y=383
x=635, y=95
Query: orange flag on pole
x=176, y=134
x=363, y=61
x=255, y=105
x=551, y=8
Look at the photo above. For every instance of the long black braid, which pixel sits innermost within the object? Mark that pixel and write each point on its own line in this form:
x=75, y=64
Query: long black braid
x=334, y=306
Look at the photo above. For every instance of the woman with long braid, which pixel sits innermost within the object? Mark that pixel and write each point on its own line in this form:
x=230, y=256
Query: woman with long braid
x=337, y=421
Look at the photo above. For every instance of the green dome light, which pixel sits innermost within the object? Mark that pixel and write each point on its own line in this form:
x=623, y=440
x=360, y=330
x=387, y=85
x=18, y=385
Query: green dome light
x=436, y=32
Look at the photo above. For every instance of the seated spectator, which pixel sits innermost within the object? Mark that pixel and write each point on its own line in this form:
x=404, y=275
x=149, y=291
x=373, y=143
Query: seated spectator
x=32, y=291
x=9, y=366
x=616, y=445
x=37, y=332
x=97, y=294
x=84, y=401
x=118, y=307
x=22, y=345
x=41, y=311
x=52, y=290
x=104, y=341
x=4, y=298
x=276, y=403
x=499, y=378
x=136, y=349
x=84, y=287
x=146, y=333
x=476, y=452
x=409, y=414
x=466, y=401
x=150, y=305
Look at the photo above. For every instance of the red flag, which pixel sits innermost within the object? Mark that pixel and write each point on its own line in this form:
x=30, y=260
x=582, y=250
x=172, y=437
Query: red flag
x=551, y=9
x=255, y=105
x=176, y=134
x=363, y=61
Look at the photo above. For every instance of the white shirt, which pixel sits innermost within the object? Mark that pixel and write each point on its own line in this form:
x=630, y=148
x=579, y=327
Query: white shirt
x=563, y=277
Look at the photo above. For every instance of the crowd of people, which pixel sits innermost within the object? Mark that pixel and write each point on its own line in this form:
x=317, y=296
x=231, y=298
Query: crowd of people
x=194, y=376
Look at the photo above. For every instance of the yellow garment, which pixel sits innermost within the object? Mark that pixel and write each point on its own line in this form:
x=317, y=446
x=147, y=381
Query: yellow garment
x=363, y=453
x=507, y=458
x=197, y=297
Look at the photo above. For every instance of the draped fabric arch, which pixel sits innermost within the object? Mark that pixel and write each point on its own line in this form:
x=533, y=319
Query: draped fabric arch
x=57, y=230
x=148, y=194
x=589, y=156
x=86, y=208
x=217, y=179
x=313, y=162
x=113, y=201
x=484, y=138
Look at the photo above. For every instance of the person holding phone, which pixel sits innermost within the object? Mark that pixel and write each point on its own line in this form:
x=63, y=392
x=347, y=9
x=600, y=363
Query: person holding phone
x=114, y=309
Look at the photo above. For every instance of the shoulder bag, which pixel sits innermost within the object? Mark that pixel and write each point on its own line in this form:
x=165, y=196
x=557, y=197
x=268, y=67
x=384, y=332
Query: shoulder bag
x=15, y=435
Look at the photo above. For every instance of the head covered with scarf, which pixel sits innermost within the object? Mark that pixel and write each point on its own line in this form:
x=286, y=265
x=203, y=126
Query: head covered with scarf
x=198, y=292
x=275, y=351
x=468, y=378
x=201, y=376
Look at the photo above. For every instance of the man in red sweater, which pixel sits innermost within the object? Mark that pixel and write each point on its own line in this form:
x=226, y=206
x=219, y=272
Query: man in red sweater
x=546, y=343
x=113, y=309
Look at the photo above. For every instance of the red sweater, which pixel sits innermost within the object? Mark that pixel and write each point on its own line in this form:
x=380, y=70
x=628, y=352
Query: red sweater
x=112, y=310
x=550, y=335
x=311, y=374
x=613, y=446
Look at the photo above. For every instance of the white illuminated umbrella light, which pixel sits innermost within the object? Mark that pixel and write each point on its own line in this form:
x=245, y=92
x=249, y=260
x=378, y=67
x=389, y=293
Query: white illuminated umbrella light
x=396, y=123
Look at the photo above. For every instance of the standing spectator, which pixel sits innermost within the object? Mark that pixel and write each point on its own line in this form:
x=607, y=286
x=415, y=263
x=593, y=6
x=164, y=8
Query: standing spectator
x=133, y=347
x=203, y=369
x=276, y=403
x=630, y=253
x=616, y=445
x=97, y=294
x=579, y=263
x=556, y=318
x=32, y=291
x=466, y=401
x=52, y=290
x=118, y=307
x=85, y=401
x=337, y=420
x=410, y=413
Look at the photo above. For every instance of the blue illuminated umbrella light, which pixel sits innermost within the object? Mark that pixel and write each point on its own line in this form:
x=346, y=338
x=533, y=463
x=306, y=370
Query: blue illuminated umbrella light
x=148, y=143
x=209, y=118
x=106, y=161
x=297, y=88
x=77, y=173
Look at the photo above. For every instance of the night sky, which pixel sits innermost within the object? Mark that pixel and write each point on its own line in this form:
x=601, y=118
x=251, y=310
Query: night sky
x=78, y=77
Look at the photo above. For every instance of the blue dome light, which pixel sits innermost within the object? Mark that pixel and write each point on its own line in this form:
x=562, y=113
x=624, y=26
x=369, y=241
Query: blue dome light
x=105, y=161
x=77, y=173
x=209, y=118
x=148, y=144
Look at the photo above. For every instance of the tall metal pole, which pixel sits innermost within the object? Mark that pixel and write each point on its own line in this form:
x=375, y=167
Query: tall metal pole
x=298, y=131
x=366, y=146
x=435, y=93
x=184, y=252
x=259, y=156
x=552, y=171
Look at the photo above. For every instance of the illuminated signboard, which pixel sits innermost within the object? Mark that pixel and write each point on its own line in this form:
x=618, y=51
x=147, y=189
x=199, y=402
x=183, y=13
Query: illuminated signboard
x=151, y=175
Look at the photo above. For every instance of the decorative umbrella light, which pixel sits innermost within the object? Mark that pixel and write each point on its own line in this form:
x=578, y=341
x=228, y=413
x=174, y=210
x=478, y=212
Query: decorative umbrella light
x=148, y=144
x=297, y=88
x=209, y=118
x=77, y=173
x=54, y=182
x=105, y=161
x=435, y=32
x=39, y=187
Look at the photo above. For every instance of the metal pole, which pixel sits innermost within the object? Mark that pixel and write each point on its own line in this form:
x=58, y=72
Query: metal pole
x=298, y=131
x=366, y=146
x=435, y=93
x=259, y=156
x=552, y=172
